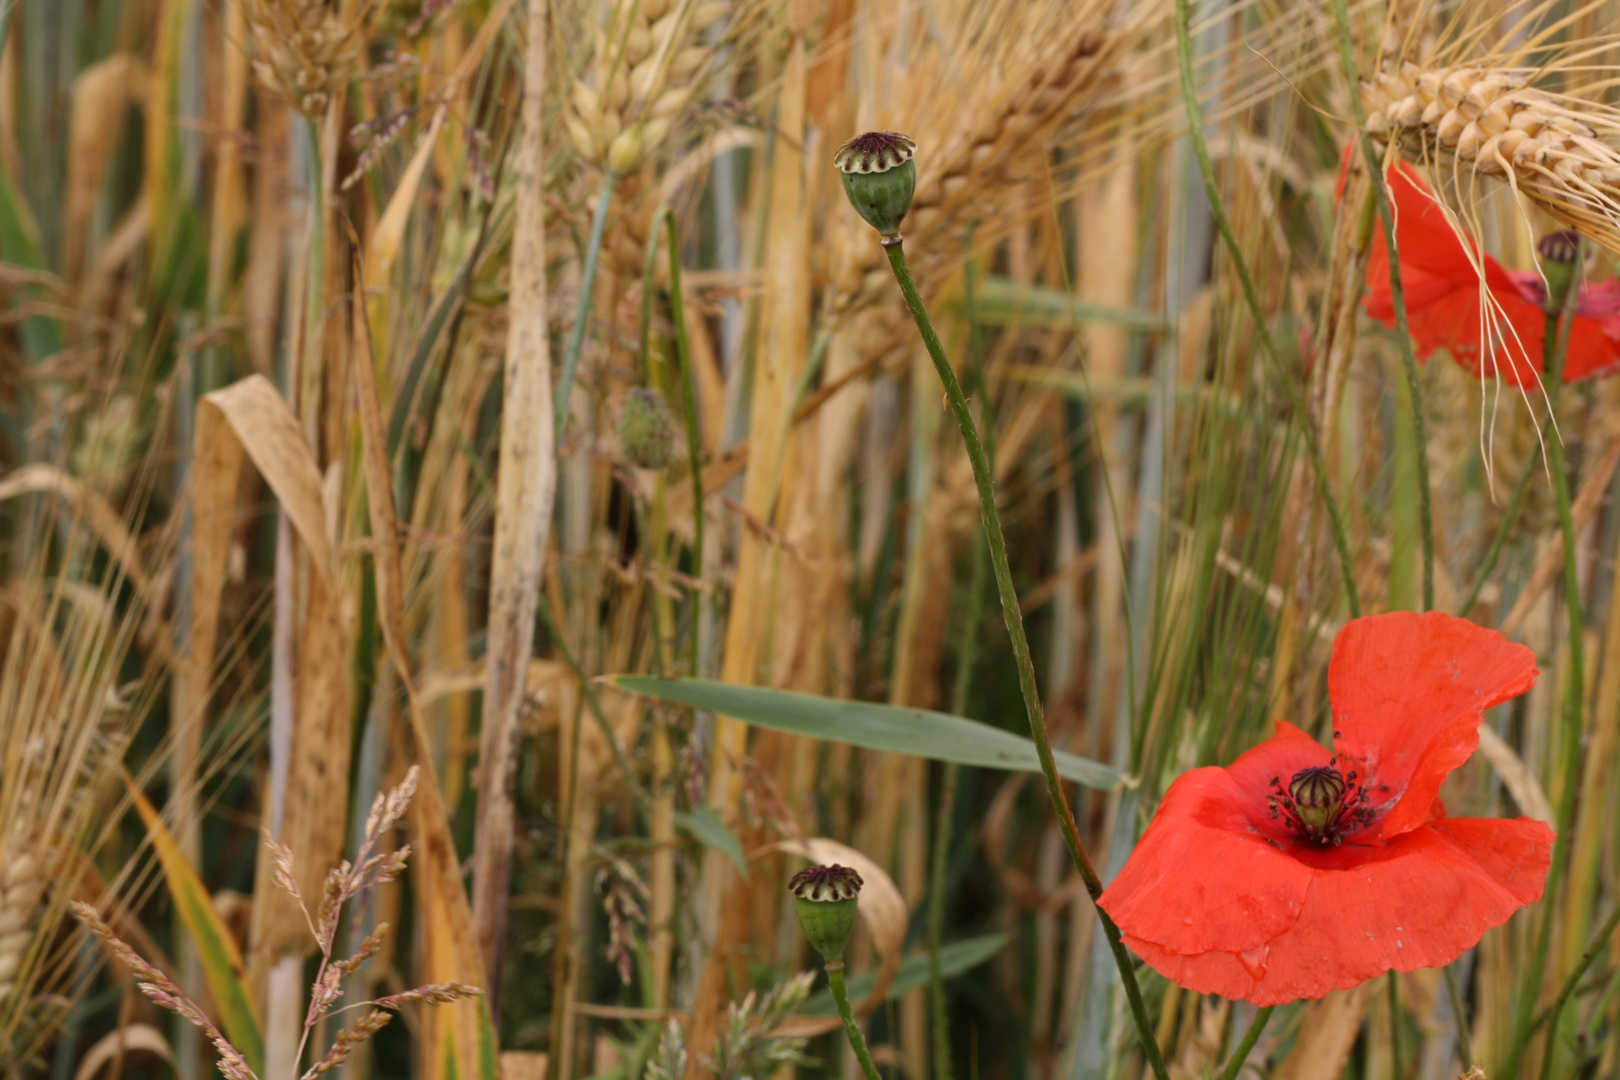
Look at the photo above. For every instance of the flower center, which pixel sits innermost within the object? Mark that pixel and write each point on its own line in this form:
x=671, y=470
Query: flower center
x=1320, y=803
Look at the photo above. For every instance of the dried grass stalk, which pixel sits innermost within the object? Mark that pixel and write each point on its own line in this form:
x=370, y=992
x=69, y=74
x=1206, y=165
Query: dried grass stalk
x=1549, y=147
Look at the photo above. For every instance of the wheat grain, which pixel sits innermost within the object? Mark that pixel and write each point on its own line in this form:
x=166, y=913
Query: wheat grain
x=641, y=77
x=303, y=49
x=1549, y=147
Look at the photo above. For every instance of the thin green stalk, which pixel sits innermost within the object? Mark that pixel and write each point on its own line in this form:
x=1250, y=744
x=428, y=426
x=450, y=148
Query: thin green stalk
x=1285, y=379
x=587, y=287
x=840, y=993
x=1386, y=216
x=1599, y=941
x=665, y=218
x=1508, y=518
x=967, y=655
x=1459, y=1011
x=997, y=544
x=1234, y=1064
x=694, y=445
x=1395, y=1025
x=1555, y=338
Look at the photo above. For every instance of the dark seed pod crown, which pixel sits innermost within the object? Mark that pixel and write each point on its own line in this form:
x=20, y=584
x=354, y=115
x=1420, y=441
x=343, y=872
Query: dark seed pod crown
x=875, y=152
x=824, y=883
x=1562, y=246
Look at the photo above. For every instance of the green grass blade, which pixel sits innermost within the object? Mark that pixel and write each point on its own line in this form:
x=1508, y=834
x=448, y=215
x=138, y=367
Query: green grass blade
x=221, y=960
x=917, y=732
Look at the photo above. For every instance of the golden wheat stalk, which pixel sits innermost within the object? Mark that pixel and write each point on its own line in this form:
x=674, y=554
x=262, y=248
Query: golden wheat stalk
x=1551, y=148
x=642, y=74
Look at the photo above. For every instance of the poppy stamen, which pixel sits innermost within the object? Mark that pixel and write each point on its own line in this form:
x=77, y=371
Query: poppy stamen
x=1322, y=804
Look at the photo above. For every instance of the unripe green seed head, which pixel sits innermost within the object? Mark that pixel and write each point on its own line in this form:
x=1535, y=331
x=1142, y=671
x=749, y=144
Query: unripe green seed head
x=879, y=176
x=827, y=898
x=647, y=429
x=1560, y=259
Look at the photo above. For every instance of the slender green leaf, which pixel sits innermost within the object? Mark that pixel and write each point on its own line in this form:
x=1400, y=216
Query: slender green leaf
x=704, y=826
x=221, y=960
x=954, y=959
x=1000, y=301
x=918, y=732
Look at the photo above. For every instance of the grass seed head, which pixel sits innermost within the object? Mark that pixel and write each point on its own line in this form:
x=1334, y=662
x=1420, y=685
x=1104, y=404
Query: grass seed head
x=303, y=49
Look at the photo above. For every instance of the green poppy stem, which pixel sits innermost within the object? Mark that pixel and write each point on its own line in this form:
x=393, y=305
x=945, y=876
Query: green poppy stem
x=1459, y=1009
x=1555, y=340
x=1234, y=1064
x=1500, y=540
x=997, y=544
x=1386, y=217
x=857, y=1041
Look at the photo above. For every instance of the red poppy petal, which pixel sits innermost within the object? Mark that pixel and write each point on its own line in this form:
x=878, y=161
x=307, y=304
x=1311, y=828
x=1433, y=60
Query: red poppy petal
x=1422, y=901
x=1203, y=875
x=1408, y=694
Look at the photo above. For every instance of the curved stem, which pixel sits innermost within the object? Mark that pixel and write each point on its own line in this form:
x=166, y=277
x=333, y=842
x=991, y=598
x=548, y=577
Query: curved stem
x=997, y=545
x=1285, y=379
x=1599, y=940
x=1508, y=518
x=1395, y=1025
x=857, y=1041
x=1234, y=1064
x=587, y=288
x=1386, y=217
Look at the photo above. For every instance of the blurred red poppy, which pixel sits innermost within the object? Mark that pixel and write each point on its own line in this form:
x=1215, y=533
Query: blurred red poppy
x=1298, y=870
x=1444, y=288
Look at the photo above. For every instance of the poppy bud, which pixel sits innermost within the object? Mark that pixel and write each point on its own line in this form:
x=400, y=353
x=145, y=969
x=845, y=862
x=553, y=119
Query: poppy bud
x=647, y=429
x=1560, y=254
x=827, y=898
x=879, y=178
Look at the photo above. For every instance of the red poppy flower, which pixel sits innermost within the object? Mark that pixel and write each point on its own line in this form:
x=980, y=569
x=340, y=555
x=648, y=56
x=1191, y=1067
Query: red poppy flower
x=1443, y=291
x=1298, y=870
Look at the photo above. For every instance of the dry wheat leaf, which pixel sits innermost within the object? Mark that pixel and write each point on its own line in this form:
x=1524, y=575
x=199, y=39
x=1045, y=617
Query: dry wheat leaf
x=125, y=1040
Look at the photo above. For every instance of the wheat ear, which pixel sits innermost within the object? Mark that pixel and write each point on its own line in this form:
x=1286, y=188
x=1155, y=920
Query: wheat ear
x=1549, y=147
x=640, y=78
x=303, y=49
x=984, y=155
x=21, y=885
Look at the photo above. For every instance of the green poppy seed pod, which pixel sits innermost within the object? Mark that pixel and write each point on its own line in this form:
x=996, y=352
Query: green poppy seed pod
x=647, y=429
x=1560, y=256
x=827, y=898
x=880, y=177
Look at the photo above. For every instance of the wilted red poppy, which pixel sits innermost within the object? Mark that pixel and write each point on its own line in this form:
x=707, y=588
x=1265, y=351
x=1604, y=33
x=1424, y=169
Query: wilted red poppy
x=1297, y=870
x=1443, y=291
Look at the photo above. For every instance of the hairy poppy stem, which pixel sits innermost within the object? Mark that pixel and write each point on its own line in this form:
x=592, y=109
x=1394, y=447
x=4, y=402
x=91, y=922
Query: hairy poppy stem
x=1555, y=340
x=840, y=993
x=587, y=287
x=1234, y=1064
x=997, y=545
x=1284, y=379
x=1386, y=216
x=967, y=654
